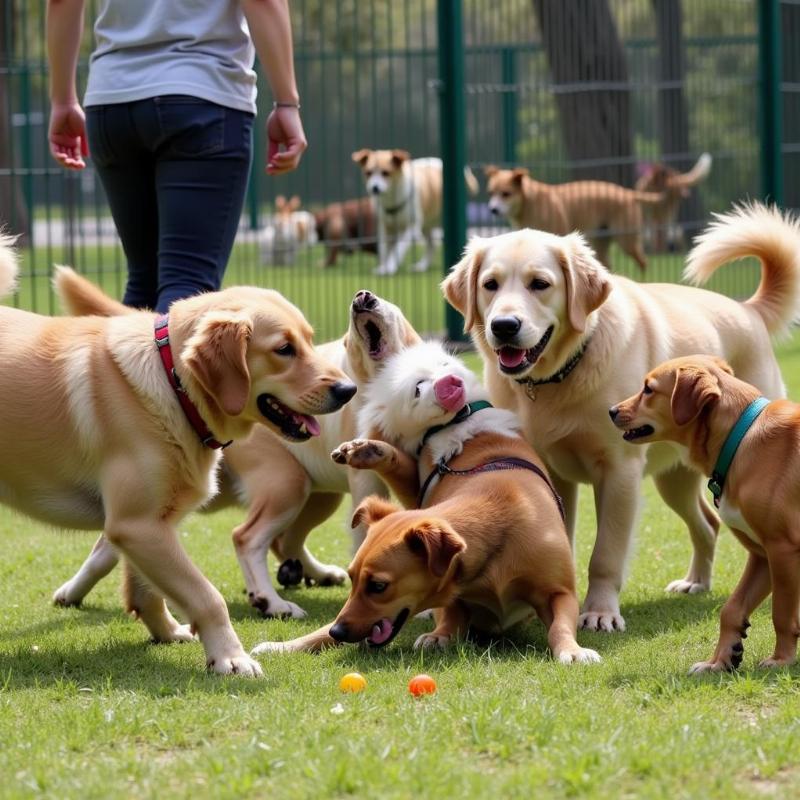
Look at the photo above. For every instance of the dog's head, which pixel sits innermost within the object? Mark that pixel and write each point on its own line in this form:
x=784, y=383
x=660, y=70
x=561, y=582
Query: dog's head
x=661, y=178
x=249, y=354
x=528, y=297
x=418, y=388
x=377, y=331
x=407, y=563
x=675, y=397
x=382, y=169
x=505, y=190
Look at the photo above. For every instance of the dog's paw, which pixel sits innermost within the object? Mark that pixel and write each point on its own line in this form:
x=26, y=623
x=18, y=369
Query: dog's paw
x=175, y=633
x=606, y=621
x=290, y=573
x=361, y=453
x=579, y=655
x=424, y=615
x=777, y=661
x=236, y=665
x=430, y=640
x=324, y=575
x=709, y=666
x=276, y=608
x=269, y=647
x=688, y=586
x=422, y=265
x=66, y=597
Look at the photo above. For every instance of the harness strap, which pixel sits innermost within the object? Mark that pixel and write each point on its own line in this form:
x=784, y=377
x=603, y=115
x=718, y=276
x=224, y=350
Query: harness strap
x=465, y=412
x=510, y=462
x=189, y=408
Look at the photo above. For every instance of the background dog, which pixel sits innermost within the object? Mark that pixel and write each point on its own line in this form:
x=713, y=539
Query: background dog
x=603, y=211
x=562, y=339
x=347, y=226
x=288, y=489
x=408, y=195
x=695, y=402
x=661, y=230
x=93, y=435
x=288, y=230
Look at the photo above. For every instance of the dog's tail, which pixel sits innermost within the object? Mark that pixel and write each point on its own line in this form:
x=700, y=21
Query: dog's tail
x=648, y=198
x=9, y=264
x=472, y=181
x=765, y=233
x=696, y=174
x=81, y=298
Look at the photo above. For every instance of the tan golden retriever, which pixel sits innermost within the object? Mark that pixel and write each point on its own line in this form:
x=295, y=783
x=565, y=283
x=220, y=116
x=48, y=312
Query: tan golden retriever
x=562, y=339
x=487, y=549
x=289, y=488
x=93, y=435
x=695, y=402
x=604, y=212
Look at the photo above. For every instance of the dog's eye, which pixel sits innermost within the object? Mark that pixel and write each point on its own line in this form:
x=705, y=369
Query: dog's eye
x=647, y=390
x=376, y=587
x=416, y=388
x=538, y=285
x=505, y=194
x=385, y=173
x=490, y=285
x=287, y=350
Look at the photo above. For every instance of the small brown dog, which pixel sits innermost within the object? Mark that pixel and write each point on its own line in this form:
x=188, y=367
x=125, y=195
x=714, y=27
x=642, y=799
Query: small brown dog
x=697, y=402
x=488, y=548
x=603, y=211
x=660, y=227
x=347, y=226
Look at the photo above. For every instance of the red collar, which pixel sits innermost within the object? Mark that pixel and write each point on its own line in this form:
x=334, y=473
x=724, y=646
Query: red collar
x=189, y=408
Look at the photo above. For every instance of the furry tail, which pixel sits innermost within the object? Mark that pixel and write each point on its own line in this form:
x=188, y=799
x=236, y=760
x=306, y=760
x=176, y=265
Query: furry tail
x=472, y=181
x=9, y=265
x=81, y=298
x=696, y=174
x=774, y=238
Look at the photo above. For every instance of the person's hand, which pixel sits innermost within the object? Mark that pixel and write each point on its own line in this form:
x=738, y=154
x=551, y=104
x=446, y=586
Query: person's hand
x=67, y=135
x=284, y=128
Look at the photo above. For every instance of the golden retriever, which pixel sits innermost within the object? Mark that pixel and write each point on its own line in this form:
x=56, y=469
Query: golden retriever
x=93, y=434
x=696, y=402
x=562, y=339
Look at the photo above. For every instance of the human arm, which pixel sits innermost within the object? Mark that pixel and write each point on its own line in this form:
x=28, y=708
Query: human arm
x=67, y=131
x=271, y=30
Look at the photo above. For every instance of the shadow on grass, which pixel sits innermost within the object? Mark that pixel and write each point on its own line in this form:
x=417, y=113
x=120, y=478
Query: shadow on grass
x=74, y=617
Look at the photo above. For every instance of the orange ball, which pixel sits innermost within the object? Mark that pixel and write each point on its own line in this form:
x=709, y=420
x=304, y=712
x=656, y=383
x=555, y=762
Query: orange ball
x=421, y=684
x=353, y=683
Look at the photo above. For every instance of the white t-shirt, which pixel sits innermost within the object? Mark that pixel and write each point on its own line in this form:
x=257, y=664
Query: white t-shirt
x=147, y=48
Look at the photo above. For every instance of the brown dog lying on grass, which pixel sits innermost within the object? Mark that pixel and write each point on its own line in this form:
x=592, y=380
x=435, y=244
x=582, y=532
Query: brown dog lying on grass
x=696, y=402
x=488, y=547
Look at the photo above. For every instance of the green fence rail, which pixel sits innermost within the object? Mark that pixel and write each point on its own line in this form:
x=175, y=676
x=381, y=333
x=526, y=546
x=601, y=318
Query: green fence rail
x=566, y=88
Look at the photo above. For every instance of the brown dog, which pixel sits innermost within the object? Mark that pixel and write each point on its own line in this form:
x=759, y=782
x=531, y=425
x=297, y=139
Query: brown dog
x=603, y=211
x=673, y=186
x=489, y=546
x=696, y=402
x=347, y=226
x=96, y=431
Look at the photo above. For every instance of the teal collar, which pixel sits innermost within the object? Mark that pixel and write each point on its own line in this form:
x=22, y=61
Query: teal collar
x=731, y=445
x=463, y=413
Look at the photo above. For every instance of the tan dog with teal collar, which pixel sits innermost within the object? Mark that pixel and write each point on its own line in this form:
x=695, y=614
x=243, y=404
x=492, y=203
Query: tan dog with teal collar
x=751, y=448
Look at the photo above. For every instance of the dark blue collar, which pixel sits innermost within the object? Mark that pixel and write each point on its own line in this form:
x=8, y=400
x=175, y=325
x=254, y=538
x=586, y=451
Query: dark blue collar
x=465, y=412
x=731, y=445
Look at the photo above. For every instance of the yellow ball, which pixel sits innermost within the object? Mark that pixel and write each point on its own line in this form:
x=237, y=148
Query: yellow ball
x=353, y=682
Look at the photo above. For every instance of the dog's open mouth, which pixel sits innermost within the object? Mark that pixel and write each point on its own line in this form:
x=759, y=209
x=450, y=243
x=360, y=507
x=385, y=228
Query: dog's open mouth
x=385, y=630
x=292, y=424
x=374, y=339
x=638, y=433
x=514, y=360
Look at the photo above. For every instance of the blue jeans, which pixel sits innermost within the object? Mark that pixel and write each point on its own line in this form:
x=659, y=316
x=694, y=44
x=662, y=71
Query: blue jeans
x=174, y=169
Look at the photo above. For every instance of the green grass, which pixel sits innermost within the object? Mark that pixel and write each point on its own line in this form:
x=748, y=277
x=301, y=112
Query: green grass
x=89, y=709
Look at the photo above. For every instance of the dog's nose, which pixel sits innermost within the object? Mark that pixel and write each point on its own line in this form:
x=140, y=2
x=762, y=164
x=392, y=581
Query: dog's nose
x=364, y=301
x=343, y=392
x=506, y=327
x=375, y=190
x=612, y=412
x=495, y=212
x=339, y=631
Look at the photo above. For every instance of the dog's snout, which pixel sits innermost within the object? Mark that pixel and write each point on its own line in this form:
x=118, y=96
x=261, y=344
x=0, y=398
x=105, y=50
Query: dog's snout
x=339, y=632
x=376, y=190
x=364, y=301
x=343, y=392
x=612, y=412
x=494, y=211
x=506, y=327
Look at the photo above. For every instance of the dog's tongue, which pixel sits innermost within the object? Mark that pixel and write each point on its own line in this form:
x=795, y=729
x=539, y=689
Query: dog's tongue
x=311, y=423
x=511, y=356
x=449, y=392
x=381, y=631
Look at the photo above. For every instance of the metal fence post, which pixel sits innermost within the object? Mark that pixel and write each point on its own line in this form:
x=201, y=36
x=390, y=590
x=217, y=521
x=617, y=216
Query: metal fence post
x=508, y=77
x=452, y=122
x=771, y=101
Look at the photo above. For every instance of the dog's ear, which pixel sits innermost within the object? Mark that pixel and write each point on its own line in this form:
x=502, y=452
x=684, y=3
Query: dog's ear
x=399, y=156
x=722, y=364
x=585, y=278
x=694, y=389
x=361, y=156
x=460, y=287
x=371, y=509
x=438, y=544
x=518, y=174
x=490, y=169
x=294, y=203
x=216, y=355
x=408, y=336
